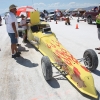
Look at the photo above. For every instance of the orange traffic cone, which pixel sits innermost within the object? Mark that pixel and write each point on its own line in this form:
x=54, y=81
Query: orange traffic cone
x=56, y=21
x=76, y=26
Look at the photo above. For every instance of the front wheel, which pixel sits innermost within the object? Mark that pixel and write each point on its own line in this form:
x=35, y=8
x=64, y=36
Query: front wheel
x=90, y=59
x=46, y=68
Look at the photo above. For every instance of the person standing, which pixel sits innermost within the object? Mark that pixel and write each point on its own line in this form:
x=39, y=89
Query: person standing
x=12, y=29
x=45, y=14
x=55, y=16
x=98, y=28
x=58, y=15
x=23, y=24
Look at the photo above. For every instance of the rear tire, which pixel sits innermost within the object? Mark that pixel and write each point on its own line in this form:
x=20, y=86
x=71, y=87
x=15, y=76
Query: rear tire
x=91, y=59
x=89, y=20
x=69, y=23
x=77, y=20
x=65, y=23
x=46, y=68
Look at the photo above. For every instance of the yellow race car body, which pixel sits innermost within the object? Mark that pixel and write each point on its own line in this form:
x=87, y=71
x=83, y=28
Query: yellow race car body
x=48, y=45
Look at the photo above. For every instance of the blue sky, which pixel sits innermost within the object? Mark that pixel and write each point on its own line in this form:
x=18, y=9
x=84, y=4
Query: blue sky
x=48, y=4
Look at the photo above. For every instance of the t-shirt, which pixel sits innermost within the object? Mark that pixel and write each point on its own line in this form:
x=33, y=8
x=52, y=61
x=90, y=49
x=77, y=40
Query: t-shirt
x=58, y=13
x=10, y=18
x=46, y=15
x=22, y=22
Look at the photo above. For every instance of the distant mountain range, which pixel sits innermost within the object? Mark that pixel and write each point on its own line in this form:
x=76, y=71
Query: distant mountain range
x=89, y=8
x=71, y=9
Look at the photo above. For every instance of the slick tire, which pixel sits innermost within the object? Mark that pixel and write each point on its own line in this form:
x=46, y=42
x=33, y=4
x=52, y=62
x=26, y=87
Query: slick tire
x=89, y=20
x=90, y=59
x=46, y=68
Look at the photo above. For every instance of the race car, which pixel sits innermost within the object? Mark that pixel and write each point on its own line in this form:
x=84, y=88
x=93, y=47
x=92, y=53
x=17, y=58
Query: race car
x=42, y=37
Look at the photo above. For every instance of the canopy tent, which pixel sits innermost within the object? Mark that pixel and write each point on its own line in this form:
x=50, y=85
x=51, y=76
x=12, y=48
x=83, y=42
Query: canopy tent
x=24, y=9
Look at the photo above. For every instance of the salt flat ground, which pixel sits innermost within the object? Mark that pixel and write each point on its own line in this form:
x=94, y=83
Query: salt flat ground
x=22, y=78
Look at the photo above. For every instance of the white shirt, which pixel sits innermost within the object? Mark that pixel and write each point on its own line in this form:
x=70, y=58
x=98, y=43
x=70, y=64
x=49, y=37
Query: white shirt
x=58, y=13
x=10, y=18
x=22, y=22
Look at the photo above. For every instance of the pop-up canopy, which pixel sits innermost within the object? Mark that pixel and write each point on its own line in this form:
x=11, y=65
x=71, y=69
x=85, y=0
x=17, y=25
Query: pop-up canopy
x=24, y=9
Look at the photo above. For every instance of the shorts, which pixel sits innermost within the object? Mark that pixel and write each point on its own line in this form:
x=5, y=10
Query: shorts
x=24, y=31
x=14, y=40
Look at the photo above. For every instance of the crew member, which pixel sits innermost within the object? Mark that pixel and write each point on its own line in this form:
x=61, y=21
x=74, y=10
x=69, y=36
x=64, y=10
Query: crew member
x=98, y=28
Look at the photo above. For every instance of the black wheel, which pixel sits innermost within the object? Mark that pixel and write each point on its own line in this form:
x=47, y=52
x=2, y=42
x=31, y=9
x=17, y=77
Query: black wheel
x=65, y=23
x=90, y=59
x=69, y=23
x=89, y=20
x=77, y=20
x=46, y=68
x=84, y=20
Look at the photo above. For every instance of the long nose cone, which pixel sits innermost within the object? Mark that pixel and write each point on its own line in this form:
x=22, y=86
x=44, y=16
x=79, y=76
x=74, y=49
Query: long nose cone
x=90, y=89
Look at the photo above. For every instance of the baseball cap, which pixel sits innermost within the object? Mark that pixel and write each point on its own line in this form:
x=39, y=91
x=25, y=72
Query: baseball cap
x=12, y=6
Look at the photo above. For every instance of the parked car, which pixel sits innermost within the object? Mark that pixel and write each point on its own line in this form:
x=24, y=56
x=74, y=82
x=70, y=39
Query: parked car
x=51, y=15
x=91, y=15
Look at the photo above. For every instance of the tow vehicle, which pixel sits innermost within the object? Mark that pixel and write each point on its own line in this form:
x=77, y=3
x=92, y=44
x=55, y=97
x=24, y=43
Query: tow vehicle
x=91, y=15
x=42, y=37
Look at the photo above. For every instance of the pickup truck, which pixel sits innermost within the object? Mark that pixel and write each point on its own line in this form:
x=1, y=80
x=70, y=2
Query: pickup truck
x=91, y=16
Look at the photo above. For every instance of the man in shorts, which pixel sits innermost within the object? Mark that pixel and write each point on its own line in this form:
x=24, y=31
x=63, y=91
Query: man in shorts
x=12, y=29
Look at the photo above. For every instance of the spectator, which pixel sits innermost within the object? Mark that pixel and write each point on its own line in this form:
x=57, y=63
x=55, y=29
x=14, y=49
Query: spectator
x=55, y=16
x=23, y=24
x=98, y=27
x=12, y=29
x=0, y=21
x=64, y=13
x=58, y=15
x=71, y=17
x=45, y=14
x=42, y=15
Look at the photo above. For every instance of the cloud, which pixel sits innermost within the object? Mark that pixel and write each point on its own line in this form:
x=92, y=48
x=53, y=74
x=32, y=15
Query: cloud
x=62, y=5
x=39, y=5
x=53, y=5
x=71, y=3
x=57, y=5
x=4, y=10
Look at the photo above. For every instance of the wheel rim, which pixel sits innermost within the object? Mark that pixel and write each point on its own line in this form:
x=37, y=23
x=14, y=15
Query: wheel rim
x=88, y=61
x=89, y=20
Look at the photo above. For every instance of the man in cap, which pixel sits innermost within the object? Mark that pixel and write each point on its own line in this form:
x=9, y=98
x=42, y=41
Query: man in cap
x=12, y=29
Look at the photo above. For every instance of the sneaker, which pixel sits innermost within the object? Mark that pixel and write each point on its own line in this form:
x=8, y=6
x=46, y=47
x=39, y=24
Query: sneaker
x=14, y=56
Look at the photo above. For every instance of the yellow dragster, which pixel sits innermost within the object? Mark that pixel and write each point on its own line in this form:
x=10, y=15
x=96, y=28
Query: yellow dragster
x=41, y=36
